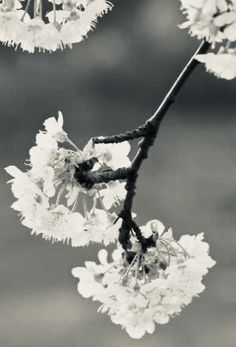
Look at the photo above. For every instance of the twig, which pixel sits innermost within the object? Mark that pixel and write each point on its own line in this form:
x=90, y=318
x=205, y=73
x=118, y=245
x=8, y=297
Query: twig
x=148, y=132
x=88, y=178
x=127, y=136
x=151, y=128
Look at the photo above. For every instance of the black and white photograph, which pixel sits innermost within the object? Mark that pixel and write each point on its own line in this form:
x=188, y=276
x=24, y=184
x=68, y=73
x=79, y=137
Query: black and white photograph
x=118, y=184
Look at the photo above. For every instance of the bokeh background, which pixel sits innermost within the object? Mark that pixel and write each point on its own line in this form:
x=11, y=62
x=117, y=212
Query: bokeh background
x=107, y=84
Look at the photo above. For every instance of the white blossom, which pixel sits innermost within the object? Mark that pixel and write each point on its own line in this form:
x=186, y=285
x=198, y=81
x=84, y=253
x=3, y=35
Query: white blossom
x=201, y=16
x=214, y=21
x=58, y=224
x=69, y=22
x=50, y=199
x=114, y=155
x=139, y=290
x=222, y=65
x=54, y=128
x=113, y=193
x=153, y=227
x=98, y=227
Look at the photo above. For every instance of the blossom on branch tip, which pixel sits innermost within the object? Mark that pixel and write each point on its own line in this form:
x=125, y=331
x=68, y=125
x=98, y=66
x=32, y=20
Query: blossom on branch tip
x=136, y=290
x=202, y=18
x=215, y=22
x=53, y=197
x=67, y=23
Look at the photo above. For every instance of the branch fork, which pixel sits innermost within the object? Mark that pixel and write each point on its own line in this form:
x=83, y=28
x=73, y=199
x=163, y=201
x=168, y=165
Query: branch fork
x=148, y=132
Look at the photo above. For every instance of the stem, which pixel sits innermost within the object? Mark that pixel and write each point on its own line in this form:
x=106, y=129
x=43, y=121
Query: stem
x=75, y=204
x=61, y=191
x=179, y=83
x=85, y=207
x=74, y=146
x=26, y=10
x=41, y=9
x=127, y=136
x=151, y=127
x=36, y=8
x=54, y=11
x=88, y=179
x=105, y=177
x=148, y=132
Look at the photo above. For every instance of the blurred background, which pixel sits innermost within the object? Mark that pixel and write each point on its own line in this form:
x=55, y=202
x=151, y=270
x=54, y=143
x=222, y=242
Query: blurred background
x=110, y=83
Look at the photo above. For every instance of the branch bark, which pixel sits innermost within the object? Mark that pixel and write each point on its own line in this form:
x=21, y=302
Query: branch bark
x=151, y=130
x=148, y=132
x=88, y=178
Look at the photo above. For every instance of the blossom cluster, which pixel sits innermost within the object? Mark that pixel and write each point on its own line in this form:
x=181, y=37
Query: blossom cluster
x=214, y=21
x=52, y=202
x=139, y=290
x=141, y=286
x=67, y=22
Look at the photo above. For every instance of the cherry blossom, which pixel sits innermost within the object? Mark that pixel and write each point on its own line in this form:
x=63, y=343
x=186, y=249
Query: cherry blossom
x=113, y=194
x=67, y=23
x=222, y=65
x=139, y=290
x=70, y=194
x=113, y=155
x=202, y=18
x=214, y=21
x=50, y=198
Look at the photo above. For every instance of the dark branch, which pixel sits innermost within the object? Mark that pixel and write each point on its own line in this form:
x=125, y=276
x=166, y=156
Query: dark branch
x=151, y=129
x=160, y=112
x=127, y=136
x=88, y=178
x=179, y=83
x=148, y=131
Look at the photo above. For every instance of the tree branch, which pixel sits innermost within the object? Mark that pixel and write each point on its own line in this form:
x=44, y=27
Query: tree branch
x=127, y=136
x=88, y=178
x=151, y=131
x=148, y=131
